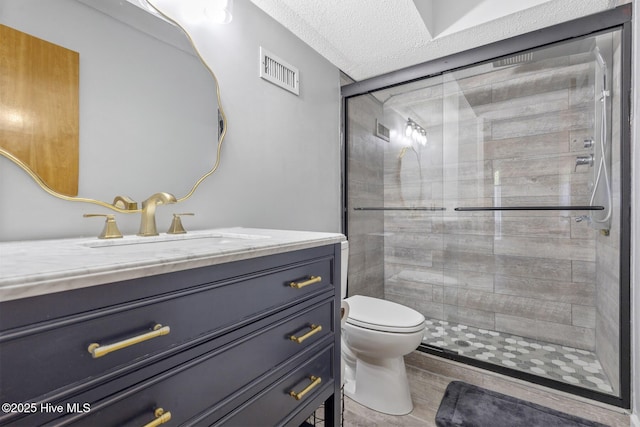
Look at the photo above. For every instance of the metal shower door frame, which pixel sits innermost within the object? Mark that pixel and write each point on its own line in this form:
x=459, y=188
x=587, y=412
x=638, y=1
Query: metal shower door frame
x=609, y=20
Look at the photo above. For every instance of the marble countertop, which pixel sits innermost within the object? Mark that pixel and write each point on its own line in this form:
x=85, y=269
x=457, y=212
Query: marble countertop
x=30, y=268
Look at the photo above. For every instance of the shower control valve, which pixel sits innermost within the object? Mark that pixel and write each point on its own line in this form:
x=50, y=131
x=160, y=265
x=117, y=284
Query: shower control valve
x=588, y=143
x=584, y=160
x=583, y=218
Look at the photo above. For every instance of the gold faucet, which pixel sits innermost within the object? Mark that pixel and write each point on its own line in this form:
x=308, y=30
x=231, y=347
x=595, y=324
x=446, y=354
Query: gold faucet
x=125, y=202
x=148, y=222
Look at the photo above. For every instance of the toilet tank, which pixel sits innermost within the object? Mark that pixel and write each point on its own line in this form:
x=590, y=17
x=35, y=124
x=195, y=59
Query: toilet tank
x=344, y=260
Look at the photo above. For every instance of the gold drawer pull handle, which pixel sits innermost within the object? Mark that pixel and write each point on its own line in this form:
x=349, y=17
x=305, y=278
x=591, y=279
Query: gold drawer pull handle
x=97, y=350
x=311, y=281
x=161, y=418
x=314, y=382
x=314, y=330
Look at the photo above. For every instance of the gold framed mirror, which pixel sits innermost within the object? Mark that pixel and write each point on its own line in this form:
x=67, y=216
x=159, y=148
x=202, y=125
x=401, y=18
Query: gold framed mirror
x=150, y=116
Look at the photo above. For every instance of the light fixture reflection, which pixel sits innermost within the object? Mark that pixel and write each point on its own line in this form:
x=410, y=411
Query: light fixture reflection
x=147, y=6
x=219, y=11
x=14, y=119
x=416, y=132
x=409, y=130
x=216, y=11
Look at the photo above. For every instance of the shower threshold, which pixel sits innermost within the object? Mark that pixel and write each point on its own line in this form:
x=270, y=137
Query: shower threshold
x=561, y=363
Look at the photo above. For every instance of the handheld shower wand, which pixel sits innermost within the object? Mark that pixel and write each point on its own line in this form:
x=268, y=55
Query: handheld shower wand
x=602, y=164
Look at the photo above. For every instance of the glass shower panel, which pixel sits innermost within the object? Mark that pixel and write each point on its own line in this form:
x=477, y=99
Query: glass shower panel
x=491, y=204
x=414, y=183
x=524, y=139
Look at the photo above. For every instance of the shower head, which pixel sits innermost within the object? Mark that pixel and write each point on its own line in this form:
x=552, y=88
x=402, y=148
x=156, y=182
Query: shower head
x=514, y=60
x=599, y=59
x=559, y=50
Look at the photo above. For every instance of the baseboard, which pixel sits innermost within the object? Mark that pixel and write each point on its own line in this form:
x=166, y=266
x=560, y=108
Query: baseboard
x=635, y=420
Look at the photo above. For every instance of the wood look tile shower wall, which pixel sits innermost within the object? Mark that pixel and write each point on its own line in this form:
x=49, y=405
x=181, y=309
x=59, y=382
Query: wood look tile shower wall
x=506, y=137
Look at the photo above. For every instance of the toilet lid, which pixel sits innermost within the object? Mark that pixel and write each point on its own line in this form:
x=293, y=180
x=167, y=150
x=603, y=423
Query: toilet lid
x=382, y=315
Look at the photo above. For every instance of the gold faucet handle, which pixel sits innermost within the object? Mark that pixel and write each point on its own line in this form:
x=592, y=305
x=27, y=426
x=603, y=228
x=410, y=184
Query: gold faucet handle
x=110, y=230
x=176, y=224
x=125, y=202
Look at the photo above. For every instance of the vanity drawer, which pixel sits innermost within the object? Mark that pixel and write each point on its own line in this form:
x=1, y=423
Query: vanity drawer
x=50, y=355
x=272, y=405
x=219, y=375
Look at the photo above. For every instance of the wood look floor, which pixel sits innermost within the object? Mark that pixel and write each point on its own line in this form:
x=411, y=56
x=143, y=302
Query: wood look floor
x=430, y=375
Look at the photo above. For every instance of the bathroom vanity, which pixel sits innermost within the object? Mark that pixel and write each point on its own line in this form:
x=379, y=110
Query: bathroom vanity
x=223, y=327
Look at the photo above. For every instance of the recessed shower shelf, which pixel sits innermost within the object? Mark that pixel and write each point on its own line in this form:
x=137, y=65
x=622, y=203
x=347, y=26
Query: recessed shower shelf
x=529, y=208
x=417, y=208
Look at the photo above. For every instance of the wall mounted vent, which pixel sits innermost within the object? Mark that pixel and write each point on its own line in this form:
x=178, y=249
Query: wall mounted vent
x=279, y=72
x=382, y=131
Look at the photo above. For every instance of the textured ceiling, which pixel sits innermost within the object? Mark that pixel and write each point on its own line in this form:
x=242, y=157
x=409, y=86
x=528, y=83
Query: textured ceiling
x=366, y=38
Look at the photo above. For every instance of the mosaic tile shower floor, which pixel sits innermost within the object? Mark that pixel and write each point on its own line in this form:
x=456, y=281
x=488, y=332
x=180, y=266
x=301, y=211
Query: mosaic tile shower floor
x=567, y=364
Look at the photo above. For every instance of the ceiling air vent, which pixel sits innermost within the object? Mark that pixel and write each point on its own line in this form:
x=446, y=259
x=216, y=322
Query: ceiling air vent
x=278, y=72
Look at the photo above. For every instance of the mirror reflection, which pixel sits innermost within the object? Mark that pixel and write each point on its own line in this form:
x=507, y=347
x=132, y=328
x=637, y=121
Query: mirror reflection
x=147, y=104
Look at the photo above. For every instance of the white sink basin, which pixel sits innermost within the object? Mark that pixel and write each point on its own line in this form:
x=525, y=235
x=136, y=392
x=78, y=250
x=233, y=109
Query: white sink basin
x=208, y=236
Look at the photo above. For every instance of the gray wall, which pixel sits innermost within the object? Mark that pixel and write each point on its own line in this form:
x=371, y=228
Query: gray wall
x=280, y=161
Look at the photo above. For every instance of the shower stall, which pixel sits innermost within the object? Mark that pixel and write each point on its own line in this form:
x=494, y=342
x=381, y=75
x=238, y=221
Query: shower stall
x=490, y=191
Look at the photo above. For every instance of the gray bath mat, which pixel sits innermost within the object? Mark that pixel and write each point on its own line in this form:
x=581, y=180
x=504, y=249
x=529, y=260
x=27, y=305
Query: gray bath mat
x=466, y=405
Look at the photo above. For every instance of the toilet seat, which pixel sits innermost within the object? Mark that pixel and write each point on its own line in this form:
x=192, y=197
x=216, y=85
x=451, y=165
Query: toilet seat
x=383, y=316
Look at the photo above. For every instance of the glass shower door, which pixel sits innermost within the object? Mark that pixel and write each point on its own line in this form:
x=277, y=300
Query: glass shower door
x=488, y=199
x=529, y=185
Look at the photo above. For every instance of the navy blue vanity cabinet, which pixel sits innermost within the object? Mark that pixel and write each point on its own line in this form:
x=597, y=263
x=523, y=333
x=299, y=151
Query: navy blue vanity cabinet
x=248, y=342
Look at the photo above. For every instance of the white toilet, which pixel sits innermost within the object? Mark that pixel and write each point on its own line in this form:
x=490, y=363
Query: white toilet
x=375, y=337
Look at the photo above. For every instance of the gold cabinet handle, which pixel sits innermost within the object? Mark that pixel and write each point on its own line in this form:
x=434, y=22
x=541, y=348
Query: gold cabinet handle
x=161, y=418
x=314, y=330
x=310, y=281
x=97, y=350
x=314, y=382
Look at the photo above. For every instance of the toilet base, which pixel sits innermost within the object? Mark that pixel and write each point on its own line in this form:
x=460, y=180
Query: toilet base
x=381, y=385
